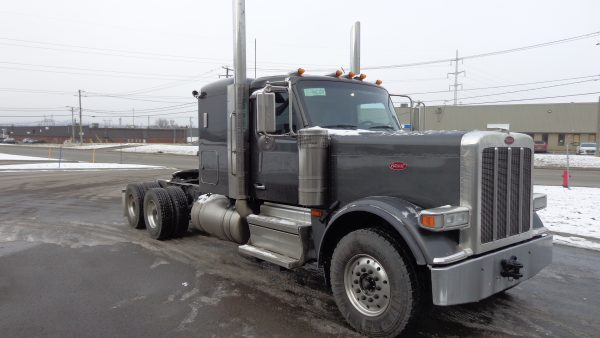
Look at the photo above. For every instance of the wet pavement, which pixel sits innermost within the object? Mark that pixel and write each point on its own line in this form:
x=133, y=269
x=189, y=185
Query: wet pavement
x=70, y=266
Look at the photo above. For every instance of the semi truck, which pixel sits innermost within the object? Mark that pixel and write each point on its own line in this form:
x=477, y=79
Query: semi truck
x=300, y=168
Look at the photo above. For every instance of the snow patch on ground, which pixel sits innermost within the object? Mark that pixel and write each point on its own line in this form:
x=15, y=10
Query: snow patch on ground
x=69, y=166
x=577, y=242
x=572, y=214
x=9, y=157
x=163, y=148
x=560, y=161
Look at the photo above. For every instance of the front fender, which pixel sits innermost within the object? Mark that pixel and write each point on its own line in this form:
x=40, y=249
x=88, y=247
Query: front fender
x=402, y=216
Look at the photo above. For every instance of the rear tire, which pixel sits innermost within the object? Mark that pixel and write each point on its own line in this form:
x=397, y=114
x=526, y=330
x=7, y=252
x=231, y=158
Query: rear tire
x=134, y=205
x=159, y=213
x=181, y=210
x=374, y=283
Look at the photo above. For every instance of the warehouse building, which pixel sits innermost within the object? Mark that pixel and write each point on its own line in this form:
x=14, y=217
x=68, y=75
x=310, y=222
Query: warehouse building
x=555, y=123
x=94, y=134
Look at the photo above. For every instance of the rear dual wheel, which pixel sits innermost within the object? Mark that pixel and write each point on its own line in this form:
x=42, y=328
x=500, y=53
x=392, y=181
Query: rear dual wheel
x=166, y=212
x=134, y=202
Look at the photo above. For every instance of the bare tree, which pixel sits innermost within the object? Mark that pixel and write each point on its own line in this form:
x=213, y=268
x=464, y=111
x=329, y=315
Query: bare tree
x=162, y=123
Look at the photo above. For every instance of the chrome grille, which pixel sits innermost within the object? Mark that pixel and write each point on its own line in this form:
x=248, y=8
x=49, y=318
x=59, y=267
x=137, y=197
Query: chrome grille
x=505, y=192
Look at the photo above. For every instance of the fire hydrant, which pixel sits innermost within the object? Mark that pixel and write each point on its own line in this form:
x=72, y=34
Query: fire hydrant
x=565, y=177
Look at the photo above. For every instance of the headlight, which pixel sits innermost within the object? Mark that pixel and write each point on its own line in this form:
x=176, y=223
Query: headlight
x=444, y=218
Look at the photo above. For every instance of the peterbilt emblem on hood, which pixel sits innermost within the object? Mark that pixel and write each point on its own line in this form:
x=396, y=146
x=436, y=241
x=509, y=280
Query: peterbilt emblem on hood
x=398, y=166
x=509, y=140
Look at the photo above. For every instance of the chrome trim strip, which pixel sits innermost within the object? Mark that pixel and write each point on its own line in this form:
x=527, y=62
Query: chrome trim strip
x=454, y=257
x=495, y=210
x=521, y=172
x=508, y=189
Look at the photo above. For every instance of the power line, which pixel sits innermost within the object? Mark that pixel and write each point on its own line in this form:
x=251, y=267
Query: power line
x=509, y=85
x=530, y=89
x=528, y=99
x=505, y=51
x=160, y=76
x=167, y=85
x=520, y=90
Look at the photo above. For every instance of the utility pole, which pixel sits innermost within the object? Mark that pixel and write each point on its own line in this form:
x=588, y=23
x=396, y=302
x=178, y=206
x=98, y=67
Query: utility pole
x=133, y=117
x=455, y=74
x=227, y=70
x=80, y=120
x=72, y=124
x=255, y=58
x=148, y=121
x=598, y=130
x=119, y=122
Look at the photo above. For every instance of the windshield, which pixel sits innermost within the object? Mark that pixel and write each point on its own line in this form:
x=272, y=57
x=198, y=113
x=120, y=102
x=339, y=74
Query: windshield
x=588, y=144
x=341, y=105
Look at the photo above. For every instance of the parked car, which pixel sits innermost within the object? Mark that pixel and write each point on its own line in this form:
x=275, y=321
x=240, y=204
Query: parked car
x=540, y=147
x=586, y=148
x=32, y=141
x=9, y=140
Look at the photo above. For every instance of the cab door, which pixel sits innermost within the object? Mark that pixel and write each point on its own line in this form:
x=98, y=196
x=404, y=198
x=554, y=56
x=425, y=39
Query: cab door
x=274, y=167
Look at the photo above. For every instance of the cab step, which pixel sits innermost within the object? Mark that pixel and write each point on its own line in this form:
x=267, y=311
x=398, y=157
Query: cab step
x=269, y=256
x=280, y=234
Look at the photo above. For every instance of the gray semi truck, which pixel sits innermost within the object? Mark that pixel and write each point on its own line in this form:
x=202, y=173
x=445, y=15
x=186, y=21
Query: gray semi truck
x=299, y=169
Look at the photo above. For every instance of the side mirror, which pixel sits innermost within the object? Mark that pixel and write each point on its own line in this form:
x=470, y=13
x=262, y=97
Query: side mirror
x=265, y=113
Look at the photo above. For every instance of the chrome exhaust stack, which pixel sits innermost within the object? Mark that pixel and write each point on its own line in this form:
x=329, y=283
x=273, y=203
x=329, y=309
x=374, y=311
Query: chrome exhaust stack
x=355, y=48
x=237, y=97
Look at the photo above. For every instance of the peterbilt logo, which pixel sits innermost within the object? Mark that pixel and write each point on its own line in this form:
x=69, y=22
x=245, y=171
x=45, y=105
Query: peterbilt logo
x=509, y=140
x=398, y=166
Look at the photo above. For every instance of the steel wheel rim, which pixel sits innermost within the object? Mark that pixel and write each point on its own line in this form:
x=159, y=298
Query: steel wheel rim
x=131, y=206
x=367, y=285
x=152, y=214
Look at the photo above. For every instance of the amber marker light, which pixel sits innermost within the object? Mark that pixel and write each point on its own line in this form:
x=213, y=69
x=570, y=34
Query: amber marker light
x=338, y=73
x=428, y=221
x=378, y=82
x=300, y=71
x=316, y=213
x=351, y=75
x=362, y=76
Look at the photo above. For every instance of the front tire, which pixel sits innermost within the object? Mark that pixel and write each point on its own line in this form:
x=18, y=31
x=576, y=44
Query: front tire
x=374, y=283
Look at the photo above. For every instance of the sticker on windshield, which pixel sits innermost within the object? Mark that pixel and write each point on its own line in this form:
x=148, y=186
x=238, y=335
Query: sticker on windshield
x=314, y=92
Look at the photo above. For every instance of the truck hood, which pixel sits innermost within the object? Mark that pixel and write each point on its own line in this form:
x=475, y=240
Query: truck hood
x=420, y=167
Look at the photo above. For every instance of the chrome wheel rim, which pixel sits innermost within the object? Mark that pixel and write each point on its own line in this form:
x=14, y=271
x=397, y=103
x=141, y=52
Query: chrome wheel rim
x=152, y=214
x=367, y=285
x=131, y=206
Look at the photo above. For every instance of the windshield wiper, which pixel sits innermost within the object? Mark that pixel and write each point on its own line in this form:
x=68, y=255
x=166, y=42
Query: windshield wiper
x=382, y=126
x=341, y=126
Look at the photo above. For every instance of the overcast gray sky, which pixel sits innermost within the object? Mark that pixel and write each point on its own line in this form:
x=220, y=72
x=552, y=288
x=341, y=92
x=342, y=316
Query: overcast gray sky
x=152, y=54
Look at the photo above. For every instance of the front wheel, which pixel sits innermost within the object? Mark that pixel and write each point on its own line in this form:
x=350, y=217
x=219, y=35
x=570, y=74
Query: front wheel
x=374, y=283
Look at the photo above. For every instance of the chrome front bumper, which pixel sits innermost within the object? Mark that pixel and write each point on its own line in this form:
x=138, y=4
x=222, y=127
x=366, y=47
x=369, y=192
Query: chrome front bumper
x=478, y=278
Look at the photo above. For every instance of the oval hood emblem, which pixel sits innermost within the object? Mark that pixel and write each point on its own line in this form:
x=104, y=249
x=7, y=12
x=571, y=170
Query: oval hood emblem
x=509, y=140
x=398, y=166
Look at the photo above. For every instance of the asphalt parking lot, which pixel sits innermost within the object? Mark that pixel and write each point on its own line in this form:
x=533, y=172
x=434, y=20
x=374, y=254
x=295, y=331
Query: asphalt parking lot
x=70, y=266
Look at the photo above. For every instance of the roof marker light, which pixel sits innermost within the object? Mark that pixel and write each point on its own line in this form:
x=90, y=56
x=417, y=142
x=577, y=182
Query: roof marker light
x=378, y=82
x=362, y=76
x=338, y=73
x=300, y=71
x=351, y=75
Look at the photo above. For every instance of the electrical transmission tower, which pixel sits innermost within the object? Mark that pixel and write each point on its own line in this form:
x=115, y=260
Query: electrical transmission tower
x=456, y=73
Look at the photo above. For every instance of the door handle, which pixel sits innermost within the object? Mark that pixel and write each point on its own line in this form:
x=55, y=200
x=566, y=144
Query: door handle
x=259, y=186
